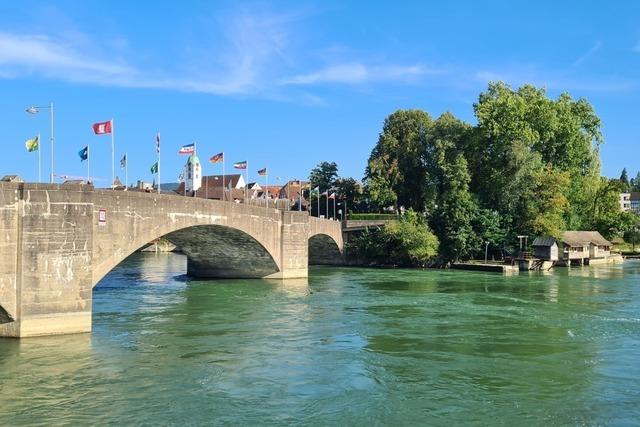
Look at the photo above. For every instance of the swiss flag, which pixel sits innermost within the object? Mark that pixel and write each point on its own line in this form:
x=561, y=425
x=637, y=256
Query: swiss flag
x=102, y=128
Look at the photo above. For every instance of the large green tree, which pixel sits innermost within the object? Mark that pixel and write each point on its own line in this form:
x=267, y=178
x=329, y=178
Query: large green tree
x=324, y=175
x=395, y=173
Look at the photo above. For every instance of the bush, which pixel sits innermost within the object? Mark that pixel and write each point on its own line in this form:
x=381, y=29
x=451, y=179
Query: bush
x=406, y=242
x=372, y=217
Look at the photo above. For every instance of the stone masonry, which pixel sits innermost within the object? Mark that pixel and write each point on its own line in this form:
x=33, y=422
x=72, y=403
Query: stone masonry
x=58, y=241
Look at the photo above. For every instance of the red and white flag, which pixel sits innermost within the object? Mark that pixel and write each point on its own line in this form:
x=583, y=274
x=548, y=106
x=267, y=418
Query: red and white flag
x=158, y=143
x=102, y=128
x=332, y=196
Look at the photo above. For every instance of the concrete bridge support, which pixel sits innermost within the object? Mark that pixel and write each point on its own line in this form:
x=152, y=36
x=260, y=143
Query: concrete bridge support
x=58, y=241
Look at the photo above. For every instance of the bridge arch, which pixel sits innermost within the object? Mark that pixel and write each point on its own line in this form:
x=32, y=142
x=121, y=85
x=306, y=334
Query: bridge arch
x=325, y=243
x=210, y=233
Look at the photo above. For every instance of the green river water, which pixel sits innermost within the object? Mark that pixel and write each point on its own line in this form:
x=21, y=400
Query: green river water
x=347, y=347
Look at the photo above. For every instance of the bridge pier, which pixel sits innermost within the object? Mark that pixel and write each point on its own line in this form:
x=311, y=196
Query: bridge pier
x=58, y=241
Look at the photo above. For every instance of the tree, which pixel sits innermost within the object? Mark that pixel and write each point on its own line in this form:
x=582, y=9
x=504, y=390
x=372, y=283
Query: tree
x=405, y=242
x=324, y=175
x=632, y=236
x=624, y=179
x=487, y=227
x=452, y=217
x=522, y=132
x=635, y=183
x=348, y=190
x=606, y=216
x=395, y=173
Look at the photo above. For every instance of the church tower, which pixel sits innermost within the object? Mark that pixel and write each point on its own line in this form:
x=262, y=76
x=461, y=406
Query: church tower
x=193, y=173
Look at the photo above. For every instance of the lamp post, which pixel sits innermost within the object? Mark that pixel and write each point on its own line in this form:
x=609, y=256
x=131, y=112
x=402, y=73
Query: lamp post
x=486, y=252
x=35, y=110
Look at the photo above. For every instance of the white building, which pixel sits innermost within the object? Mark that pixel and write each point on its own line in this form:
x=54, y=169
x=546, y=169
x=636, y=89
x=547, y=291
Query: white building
x=193, y=173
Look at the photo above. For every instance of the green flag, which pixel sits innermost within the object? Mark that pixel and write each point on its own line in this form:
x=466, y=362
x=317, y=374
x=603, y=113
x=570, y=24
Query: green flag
x=154, y=168
x=33, y=144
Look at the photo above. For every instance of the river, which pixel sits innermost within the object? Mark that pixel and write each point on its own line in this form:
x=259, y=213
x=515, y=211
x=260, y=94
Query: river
x=347, y=347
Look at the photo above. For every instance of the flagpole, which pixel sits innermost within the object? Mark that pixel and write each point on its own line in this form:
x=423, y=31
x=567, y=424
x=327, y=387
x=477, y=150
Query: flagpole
x=266, y=180
x=224, y=188
x=88, y=165
x=326, y=212
x=158, y=152
x=39, y=161
x=126, y=170
x=318, y=201
x=246, y=182
x=113, y=156
x=193, y=177
x=334, y=207
x=51, y=141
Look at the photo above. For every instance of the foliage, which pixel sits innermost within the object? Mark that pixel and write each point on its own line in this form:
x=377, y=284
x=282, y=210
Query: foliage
x=372, y=217
x=530, y=166
x=324, y=175
x=635, y=183
x=395, y=173
x=405, y=242
x=624, y=180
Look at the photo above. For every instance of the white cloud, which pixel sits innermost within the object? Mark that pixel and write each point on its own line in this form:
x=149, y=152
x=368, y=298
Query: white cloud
x=596, y=47
x=37, y=54
x=357, y=73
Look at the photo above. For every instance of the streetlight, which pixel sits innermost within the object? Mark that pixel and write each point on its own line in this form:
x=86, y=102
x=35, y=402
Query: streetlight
x=33, y=110
x=486, y=252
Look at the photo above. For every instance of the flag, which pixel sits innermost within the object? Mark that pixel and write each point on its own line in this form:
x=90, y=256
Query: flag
x=316, y=190
x=324, y=193
x=84, y=153
x=158, y=143
x=187, y=149
x=332, y=196
x=33, y=144
x=217, y=158
x=102, y=128
x=123, y=161
x=262, y=172
x=154, y=168
x=240, y=165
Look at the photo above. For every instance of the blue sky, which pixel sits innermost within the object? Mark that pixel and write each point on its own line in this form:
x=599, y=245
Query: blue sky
x=286, y=85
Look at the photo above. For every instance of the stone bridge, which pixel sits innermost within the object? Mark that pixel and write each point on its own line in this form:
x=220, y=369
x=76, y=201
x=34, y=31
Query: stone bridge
x=58, y=241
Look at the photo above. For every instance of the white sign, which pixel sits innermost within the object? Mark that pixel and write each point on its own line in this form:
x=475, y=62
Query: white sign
x=102, y=217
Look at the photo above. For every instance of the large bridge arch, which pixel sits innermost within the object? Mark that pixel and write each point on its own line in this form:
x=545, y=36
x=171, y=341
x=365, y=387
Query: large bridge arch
x=134, y=219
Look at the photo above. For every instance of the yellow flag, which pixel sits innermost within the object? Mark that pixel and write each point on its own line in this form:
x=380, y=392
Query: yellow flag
x=33, y=144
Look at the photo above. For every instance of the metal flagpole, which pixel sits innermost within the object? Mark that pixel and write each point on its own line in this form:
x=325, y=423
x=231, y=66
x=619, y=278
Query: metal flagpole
x=88, y=165
x=318, y=201
x=224, y=188
x=158, y=152
x=246, y=183
x=193, y=177
x=52, y=140
x=39, y=161
x=326, y=212
x=126, y=170
x=266, y=181
x=113, y=161
x=334, y=207
x=300, y=198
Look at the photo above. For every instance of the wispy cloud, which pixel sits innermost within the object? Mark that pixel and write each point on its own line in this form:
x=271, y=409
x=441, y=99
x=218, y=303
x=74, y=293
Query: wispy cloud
x=557, y=80
x=588, y=54
x=41, y=55
x=358, y=73
x=239, y=62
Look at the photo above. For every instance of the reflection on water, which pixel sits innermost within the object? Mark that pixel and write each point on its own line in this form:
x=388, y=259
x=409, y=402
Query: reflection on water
x=347, y=346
